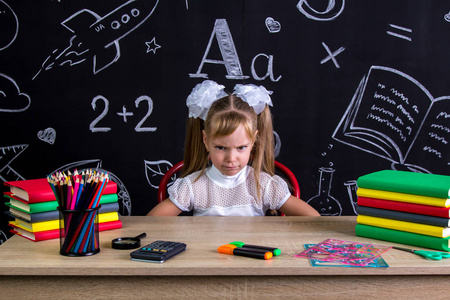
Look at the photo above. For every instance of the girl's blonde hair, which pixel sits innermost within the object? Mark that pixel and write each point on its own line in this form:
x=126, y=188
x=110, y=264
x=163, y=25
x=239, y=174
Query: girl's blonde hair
x=224, y=116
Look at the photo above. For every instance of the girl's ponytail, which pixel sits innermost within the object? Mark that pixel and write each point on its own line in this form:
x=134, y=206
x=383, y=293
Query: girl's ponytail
x=264, y=149
x=195, y=154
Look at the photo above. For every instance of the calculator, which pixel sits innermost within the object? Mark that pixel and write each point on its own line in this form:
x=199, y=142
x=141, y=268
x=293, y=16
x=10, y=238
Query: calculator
x=158, y=251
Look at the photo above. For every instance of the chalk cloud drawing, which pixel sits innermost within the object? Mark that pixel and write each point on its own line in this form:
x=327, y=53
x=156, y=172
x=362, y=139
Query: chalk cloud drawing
x=98, y=36
x=48, y=135
x=395, y=117
x=11, y=98
x=331, y=12
x=401, y=29
x=9, y=25
x=447, y=17
x=331, y=56
x=7, y=155
x=272, y=25
x=155, y=170
x=152, y=46
x=227, y=48
x=122, y=192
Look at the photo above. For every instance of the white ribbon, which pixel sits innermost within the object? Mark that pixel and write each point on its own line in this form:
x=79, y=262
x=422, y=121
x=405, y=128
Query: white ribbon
x=202, y=96
x=256, y=96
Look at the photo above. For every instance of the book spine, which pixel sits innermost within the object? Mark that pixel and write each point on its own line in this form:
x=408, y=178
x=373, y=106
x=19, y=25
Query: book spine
x=54, y=224
x=51, y=205
x=44, y=216
x=443, y=212
x=40, y=190
x=394, y=196
x=54, y=233
x=111, y=188
x=110, y=225
x=403, y=216
x=402, y=237
x=54, y=215
x=402, y=225
x=35, y=198
x=432, y=185
x=109, y=198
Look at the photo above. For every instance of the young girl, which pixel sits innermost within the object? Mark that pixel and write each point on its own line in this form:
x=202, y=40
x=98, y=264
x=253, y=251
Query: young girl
x=234, y=135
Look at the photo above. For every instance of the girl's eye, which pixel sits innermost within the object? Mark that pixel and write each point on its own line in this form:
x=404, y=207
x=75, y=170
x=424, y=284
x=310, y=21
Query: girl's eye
x=220, y=148
x=242, y=147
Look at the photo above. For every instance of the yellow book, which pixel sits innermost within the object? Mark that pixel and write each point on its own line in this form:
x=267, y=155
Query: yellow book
x=402, y=197
x=54, y=224
x=404, y=226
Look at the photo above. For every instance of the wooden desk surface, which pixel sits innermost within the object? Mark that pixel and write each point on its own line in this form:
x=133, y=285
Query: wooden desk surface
x=203, y=235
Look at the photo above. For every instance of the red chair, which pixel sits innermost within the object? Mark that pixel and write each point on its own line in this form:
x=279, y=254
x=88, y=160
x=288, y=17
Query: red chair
x=177, y=167
x=162, y=188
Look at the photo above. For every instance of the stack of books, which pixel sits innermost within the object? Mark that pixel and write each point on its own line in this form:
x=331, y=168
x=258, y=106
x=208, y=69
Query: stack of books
x=405, y=207
x=33, y=206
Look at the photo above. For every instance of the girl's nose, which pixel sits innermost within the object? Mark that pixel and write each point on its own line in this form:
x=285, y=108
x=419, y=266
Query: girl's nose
x=231, y=155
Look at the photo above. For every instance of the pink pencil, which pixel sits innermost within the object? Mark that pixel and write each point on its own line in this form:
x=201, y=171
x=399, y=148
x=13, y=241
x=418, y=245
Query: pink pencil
x=75, y=193
x=69, y=193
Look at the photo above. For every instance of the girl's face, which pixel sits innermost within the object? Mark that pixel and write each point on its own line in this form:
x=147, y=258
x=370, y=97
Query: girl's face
x=229, y=154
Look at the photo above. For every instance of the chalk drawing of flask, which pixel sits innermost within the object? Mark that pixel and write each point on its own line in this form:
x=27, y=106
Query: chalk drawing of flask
x=323, y=202
x=351, y=190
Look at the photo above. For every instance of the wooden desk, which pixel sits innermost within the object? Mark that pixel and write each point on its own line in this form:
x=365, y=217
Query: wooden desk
x=37, y=269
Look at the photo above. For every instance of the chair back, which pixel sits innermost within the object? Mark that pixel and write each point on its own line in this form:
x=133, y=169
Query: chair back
x=177, y=167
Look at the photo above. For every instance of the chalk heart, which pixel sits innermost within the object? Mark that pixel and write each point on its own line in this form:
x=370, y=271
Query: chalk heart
x=272, y=25
x=48, y=135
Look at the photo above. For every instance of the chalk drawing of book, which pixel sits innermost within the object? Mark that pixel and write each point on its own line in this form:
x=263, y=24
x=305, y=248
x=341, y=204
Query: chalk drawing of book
x=393, y=116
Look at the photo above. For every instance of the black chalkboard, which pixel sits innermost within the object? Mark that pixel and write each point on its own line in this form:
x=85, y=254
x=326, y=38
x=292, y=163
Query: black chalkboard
x=358, y=86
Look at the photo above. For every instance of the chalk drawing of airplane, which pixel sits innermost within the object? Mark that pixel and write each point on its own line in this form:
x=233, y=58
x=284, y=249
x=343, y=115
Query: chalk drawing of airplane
x=102, y=34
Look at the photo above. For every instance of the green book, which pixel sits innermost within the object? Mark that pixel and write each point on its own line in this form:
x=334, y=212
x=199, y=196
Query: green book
x=432, y=185
x=403, y=237
x=49, y=205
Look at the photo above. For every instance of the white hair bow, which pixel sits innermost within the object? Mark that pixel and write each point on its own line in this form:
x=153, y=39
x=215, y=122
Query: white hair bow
x=202, y=96
x=256, y=96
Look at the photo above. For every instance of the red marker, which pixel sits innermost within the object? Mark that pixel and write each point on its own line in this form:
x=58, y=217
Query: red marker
x=234, y=250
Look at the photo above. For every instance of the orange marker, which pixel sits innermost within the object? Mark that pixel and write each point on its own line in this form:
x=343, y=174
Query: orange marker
x=234, y=250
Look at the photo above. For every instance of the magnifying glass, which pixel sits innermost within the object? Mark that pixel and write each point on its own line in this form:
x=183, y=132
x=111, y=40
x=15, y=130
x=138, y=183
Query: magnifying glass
x=128, y=242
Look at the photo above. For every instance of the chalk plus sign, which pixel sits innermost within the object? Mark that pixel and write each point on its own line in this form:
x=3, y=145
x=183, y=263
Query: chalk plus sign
x=125, y=114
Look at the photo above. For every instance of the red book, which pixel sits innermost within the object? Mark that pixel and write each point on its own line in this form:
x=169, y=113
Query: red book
x=443, y=212
x=54, y=233
x=39, y=190
x=35, y=236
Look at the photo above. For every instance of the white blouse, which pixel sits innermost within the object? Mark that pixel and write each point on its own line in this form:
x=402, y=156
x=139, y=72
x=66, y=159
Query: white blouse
x=215, y=194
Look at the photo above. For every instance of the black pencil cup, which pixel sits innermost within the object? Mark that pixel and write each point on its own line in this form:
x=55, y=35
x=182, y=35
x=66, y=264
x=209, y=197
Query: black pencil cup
x=78, y=232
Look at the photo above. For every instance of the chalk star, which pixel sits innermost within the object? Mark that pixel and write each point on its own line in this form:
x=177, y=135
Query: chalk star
x=152, y=46
x=125, y=114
